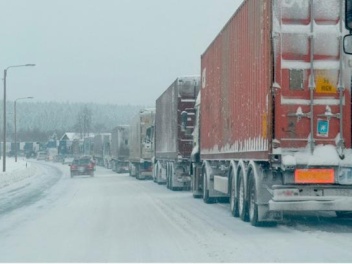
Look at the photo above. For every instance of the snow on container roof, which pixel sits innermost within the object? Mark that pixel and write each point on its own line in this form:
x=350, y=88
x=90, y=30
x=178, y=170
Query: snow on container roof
x=188, y=86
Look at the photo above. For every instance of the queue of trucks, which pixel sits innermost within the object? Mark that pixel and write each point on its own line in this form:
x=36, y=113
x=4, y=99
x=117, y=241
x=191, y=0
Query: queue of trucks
x=272, y=118
x=274, y=115
x=267, y=124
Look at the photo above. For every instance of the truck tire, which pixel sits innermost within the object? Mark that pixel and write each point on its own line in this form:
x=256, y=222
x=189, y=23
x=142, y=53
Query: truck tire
x=167, y=176
x=206, y=197
x=155, y=173
x=172, y=188
x=137, y=173
x=159, y=180
x=252, y=201
x=233, y=193
x=242, y=204
x=195, y=191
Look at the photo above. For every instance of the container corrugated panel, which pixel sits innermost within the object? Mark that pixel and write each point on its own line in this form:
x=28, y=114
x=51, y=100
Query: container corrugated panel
x=236, y=84
x=119, y=143
x=170, y=141
x=302, y=62
x=98, y=145
x=166, y=124
x=134, y=139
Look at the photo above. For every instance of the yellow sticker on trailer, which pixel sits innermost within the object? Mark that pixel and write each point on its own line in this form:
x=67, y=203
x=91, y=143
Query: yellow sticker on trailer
x=314, y=176
x=324, y=85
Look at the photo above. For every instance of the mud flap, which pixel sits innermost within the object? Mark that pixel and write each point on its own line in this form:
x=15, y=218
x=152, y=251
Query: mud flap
x=268, y=216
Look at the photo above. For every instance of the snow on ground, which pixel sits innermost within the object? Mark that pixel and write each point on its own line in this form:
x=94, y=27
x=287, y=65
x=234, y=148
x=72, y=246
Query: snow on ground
x=25, y=182
x=50, y=217
x=15, y=171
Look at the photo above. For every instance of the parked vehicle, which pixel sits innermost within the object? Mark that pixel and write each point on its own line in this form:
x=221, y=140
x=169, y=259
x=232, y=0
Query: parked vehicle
x=120, y=149
x=141, y=144
x=274, y=115
x=101, y=149
x=84, y=165
x=13, y=149
x=52, y=154
x=67, y=160
x=28, y=150
x=88, y=143
x=76, y=148
x=42, y=155
x=173, y=139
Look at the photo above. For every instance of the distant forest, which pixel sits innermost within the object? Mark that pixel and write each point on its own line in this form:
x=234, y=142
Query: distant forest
x=37, y=121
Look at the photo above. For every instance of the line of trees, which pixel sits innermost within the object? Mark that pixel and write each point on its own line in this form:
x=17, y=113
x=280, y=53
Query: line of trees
x=37, y=121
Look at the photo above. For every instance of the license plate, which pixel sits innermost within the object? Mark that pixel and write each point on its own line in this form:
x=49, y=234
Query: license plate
x=314, y=176
x=81, y=169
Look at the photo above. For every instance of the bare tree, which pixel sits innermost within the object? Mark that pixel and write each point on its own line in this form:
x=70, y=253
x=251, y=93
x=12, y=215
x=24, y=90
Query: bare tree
x=84, y=121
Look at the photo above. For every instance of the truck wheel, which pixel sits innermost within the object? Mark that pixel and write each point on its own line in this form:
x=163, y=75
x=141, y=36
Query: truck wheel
x=137, y=174
x=172, y=174
x=206, y=197
x=172, y=188
x=170, y=183
x=167, y=176
x=242, y=205
x=167, y=182
x=159, y=180
x=252, y=205
x=155, y=173
x=233, y=199
x=170, y=178
x=195, y=191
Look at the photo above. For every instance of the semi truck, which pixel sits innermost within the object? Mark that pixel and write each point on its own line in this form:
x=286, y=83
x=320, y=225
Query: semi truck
x=141, y=144
x=76, y=148
x=273, y=122
x=101, y=149
x=173, y=139
x=120, y=149
x=28, y=149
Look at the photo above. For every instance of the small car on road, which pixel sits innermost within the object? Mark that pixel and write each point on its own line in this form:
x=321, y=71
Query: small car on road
x=84, y=165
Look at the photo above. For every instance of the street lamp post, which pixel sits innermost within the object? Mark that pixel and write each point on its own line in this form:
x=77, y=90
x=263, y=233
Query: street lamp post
x=4, y=118
x=15, y=123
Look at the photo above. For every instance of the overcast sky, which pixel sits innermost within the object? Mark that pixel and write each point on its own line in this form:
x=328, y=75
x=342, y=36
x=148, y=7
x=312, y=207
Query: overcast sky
x=105, y=51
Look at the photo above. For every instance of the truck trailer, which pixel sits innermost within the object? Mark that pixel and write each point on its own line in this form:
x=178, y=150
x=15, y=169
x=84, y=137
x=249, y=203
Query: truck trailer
x=141, y=144
x=101, y=149
x=273, y=129
x=120, y=149
x=173, y=139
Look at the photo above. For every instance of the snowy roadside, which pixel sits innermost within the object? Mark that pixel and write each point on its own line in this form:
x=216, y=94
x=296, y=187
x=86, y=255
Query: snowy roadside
x=25, y=182
x=16, y=172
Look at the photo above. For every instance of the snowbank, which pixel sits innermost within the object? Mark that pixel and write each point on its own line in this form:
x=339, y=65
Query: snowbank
x=16, y=171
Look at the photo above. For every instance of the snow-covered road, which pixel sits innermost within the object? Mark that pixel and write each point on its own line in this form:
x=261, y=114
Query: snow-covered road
x=116, y=218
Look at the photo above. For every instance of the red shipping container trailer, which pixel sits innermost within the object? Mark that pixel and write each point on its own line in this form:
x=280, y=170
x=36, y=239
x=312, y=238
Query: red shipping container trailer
x=274, y=116
x=174, y=122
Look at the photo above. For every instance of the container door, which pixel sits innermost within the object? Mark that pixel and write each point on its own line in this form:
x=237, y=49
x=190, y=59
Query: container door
x=312, y=75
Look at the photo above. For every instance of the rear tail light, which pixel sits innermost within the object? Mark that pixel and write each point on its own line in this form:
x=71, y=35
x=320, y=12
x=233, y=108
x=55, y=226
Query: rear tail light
x=73, y=167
